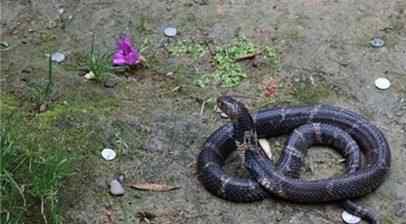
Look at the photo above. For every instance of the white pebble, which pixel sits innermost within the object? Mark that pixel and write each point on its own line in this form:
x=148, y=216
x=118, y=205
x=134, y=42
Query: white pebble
x=349, y=218
x=90, y=75
x=116, y=188
x=57, y=57
x=382, y=83
x=170, y=31
x=266, y=147
x=108, y=154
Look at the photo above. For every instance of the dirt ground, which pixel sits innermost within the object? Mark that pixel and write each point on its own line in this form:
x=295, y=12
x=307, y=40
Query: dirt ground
x=158, y=131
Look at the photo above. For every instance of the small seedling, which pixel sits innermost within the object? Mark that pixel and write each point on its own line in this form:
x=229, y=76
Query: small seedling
x=41, y=91
x=98, y=63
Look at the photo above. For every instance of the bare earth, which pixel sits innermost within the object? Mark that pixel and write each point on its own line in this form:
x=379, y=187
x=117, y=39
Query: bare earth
x=158, y=132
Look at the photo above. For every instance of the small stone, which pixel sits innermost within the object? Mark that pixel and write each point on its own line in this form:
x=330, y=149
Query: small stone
x=61, y=10
x=43, y=108
x=382, y=83
x=4, y=44
x=377, y=42
x=170, y=31
x=57, y=57
x=116, y=188
x=349, y=218
x=108, y=154
x=110, y=83
x=90, y=75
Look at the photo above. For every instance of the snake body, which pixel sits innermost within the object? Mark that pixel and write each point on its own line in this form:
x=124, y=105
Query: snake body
x=348, y=132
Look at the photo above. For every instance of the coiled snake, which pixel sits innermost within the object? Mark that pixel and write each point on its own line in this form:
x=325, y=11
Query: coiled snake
x=347, y=132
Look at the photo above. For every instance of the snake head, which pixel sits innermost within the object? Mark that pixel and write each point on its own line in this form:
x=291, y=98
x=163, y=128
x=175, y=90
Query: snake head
x=228, y=107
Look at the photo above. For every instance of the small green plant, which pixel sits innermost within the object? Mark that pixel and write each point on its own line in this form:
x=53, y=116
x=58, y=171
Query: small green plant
x=228, y=71
x=273, y=57
x=98, y=63
x=41, y=91
x=187, y=48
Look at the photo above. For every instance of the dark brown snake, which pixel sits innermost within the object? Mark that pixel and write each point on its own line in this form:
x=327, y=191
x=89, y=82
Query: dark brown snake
x=347, y=132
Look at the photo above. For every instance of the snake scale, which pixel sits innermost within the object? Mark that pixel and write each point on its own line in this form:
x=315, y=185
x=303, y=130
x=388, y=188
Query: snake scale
x=347, y=132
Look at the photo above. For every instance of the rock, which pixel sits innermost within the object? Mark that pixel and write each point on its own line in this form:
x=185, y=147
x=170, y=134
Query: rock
x=382, y=83
x=108, y=154
x=170, y=31
x=43, y=108
x=110, y=83
x=57, y=57
x=116, y=188
x=4, y=45
x=90, y=75
x=377, y=42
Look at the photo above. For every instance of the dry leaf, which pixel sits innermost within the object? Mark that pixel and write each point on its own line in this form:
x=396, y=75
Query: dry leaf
x=108, y=216
x=153, y=187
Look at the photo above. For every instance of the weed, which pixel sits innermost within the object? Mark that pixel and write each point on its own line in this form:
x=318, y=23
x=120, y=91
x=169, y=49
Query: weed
x=41, y=91
x=98, y=63
x=228, y=71
x=272, y=56
x=185, y=47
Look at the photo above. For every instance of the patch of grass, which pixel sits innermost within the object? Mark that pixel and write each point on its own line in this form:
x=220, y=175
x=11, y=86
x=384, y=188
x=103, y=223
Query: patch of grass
x=12, y=196
x=29, y=174
x=38, y=153
x=49, y=171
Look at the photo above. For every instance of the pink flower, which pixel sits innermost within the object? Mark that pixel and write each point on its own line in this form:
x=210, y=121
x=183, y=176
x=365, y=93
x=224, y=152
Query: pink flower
x=126, y=53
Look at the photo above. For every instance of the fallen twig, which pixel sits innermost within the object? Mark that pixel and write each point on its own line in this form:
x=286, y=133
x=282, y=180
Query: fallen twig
x=153, y=187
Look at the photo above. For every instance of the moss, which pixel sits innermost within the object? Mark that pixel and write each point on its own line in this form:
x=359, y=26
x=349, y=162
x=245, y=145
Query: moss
x=8, y=103
x=309, y=94
x=294, y=93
